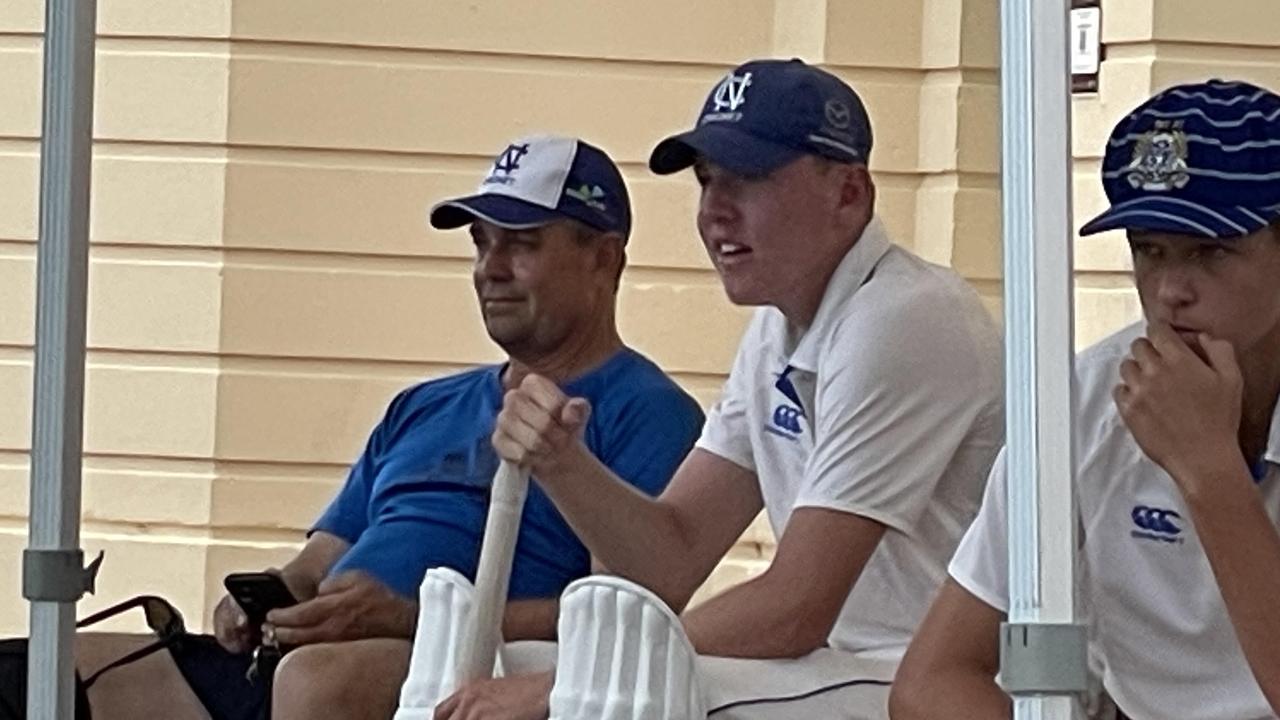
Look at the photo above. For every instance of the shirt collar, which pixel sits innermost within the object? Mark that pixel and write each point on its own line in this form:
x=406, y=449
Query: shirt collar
x=850, y=275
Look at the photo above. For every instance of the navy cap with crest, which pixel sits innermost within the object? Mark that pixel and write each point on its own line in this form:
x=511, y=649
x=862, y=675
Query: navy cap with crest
x=1199, y=159
x=542, y=178
x=767, y=113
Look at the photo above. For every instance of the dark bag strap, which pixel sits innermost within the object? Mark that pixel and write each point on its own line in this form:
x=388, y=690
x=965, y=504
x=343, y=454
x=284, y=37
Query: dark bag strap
x=162, y=617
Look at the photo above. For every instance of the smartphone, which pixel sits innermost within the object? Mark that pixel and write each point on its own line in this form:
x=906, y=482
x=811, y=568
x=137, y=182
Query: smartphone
x=258, y=593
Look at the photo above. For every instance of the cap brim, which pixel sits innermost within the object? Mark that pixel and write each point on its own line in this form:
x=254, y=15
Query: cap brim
x=501, y=210
x=723, y=145
x=1155, y=213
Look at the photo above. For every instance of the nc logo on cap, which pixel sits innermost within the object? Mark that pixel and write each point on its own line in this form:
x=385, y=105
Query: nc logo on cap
x=506, y=163
x=729, y=95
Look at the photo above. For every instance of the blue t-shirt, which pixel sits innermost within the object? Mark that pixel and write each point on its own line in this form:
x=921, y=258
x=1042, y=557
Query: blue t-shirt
x=418, y=496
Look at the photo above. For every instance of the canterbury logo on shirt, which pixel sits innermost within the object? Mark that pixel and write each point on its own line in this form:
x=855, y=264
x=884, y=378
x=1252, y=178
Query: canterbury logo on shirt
x=787, y=418
x=1156, y=524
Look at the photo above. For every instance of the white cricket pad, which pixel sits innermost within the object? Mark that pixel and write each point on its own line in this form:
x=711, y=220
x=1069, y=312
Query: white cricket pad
x=623, y=655
x=446, y=601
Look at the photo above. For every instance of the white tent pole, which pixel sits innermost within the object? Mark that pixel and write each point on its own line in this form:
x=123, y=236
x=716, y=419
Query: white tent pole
x=1043, y=661
x=53, y=575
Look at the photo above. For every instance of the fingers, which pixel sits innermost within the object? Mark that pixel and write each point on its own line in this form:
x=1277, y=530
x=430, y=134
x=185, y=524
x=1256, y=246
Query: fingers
x=537, y=420
x=543, y=392
x=1144, y=352
x=1164, y=340
x=304, y=614
x=1130, y=372
x=575, y=414
x=231, y=626
x=1221, y=356
x=445, y=710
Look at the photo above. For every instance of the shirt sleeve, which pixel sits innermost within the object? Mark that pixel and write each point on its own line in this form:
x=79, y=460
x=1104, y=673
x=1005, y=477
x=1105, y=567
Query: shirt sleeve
x=727, y=432
x=898, y=392
x=981, y=562
x=348, y=514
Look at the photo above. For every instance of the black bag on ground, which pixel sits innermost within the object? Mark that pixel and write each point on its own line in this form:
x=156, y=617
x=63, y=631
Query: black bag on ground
x=163, y=619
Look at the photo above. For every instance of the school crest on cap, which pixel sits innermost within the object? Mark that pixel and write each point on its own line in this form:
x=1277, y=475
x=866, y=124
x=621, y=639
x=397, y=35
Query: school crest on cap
x=1160, y=159
x=728, y=96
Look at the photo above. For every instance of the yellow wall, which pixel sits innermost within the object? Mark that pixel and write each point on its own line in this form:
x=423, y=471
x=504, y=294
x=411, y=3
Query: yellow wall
x=263, y=280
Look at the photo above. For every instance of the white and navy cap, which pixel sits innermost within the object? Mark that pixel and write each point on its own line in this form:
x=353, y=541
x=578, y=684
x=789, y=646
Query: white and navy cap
x=543, y=178
x=767, y=113
x=1200, y=159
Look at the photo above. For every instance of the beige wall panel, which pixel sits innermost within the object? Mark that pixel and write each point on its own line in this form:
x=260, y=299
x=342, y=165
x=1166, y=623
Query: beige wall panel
x=1102, y=311
x=344, y=96
x=15, y=483
x=1236, y=22
x=1125, y=81
x=980, y=34
x=129, y=410
x=683, y=327
x=288, y=503
x=344, y=205
x=896, y=204
x=716, y=31
x=15, y=388
x=26, y=16
x=279, y=416
x=166, y=18
x=140, y=198
x=169, y=566
x=959, y=123
x=1107, y=252
x=417, y=313
x=859, y=37
x=1128, y=20
x=13, y=609
x=20, y=88
x=665, y=231
x=1255, y=66
x=156, y=495
x=960, y=34
x=19, y=203
x=800, y=29
x=153, y=411
x=959, y=222
x=939, y=123
x=979, y=254
x=938, y=27
x=17, y=295
x=978, y=138
x=161, y=91
x=165, y=302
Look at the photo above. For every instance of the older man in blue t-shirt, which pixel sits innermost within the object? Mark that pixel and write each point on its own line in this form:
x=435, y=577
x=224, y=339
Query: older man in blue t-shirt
x=549, y=223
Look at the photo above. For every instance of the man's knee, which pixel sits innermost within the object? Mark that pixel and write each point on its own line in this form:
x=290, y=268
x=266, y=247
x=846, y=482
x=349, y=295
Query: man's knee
x=306, y=678
x=349, y=680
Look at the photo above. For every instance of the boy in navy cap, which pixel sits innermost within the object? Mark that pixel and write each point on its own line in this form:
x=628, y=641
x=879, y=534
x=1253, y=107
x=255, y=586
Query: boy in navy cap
x=862, y=414
x=1179, y=436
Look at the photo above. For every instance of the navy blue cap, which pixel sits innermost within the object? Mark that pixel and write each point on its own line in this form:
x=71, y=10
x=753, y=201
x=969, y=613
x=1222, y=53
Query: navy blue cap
x=767, y=113
x=543, y=178
x=1200, y=159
